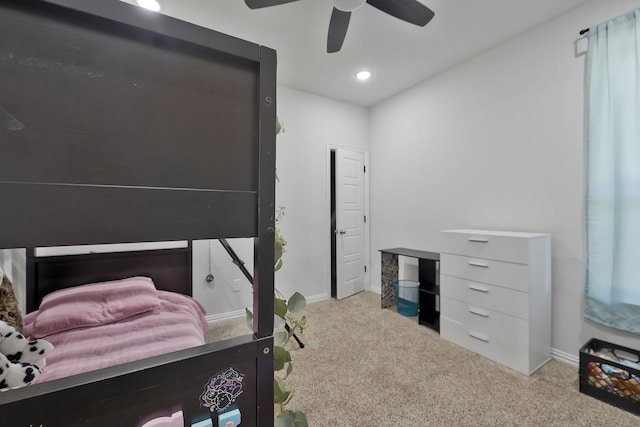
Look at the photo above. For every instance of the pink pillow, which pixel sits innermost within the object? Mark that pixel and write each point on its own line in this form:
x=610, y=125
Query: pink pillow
x=94, y=304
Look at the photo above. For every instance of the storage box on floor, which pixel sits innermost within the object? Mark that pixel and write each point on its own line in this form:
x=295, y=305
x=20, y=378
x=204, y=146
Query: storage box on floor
x=611, y=373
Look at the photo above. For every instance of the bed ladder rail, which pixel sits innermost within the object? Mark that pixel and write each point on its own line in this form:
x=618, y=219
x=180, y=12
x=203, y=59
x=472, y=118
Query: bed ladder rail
x=240, y=263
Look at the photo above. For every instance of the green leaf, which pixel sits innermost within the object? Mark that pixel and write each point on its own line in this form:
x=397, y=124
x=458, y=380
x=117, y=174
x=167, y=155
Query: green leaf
x=280, y=307
x=278, y=265
x=279, y=250
x=285, y=419
x=281, y=357
x=300, y=420
x=289, y=418
x=281, y=398
x=289, y=369
x=280, y=392
x=249, y=318
x=278, y=322
x=278, y=386
x=297, y=302
x=280, y=338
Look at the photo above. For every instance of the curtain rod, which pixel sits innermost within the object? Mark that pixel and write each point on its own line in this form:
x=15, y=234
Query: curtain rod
x=583, y=32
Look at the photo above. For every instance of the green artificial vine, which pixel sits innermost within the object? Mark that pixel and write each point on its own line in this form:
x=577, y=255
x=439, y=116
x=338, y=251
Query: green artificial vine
x=281, y=244
x=288, y=323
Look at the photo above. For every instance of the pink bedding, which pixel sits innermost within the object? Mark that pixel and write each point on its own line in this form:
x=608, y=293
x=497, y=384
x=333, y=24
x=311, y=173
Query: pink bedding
x=175, y=323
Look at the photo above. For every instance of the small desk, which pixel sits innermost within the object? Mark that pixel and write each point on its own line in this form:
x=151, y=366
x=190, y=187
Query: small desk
x=427, y=276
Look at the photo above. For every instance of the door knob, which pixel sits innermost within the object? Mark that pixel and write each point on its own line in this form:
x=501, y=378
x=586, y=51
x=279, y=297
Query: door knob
x=343, y=231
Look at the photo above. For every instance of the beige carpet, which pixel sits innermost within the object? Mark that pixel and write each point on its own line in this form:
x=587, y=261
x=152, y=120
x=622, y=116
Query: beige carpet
x=377, y=368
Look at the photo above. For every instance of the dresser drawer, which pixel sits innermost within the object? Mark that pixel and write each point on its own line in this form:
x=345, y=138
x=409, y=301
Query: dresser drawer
x=486, y=323
x=509, y=354
x=508, y=301
x=511, y=247
x=505, y=274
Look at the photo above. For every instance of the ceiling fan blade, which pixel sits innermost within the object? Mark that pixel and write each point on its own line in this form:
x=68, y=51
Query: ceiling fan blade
x=411, y=11
x=257, y=4
x=337, y=29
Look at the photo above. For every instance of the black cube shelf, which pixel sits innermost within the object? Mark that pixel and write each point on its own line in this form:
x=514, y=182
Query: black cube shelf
x=428, y=276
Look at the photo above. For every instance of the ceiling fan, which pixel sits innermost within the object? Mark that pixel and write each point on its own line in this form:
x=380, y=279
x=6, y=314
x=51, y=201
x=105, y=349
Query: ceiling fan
x=411, y=11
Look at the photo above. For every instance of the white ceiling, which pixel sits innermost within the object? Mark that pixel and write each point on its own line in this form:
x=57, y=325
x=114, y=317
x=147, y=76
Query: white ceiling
x=399, y=55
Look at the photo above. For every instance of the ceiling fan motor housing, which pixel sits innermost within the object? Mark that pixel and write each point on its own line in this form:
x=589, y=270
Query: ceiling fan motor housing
x=348, y=5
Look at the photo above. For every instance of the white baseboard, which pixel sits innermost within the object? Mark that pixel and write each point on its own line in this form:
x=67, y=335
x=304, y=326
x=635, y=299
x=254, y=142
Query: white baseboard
x=377, y=290
x=565, y=357
x=212, y=318
x=224, y=316
x=317, y=298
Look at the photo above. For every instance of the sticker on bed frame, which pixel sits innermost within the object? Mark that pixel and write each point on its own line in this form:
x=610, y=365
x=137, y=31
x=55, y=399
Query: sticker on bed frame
x=222, y=390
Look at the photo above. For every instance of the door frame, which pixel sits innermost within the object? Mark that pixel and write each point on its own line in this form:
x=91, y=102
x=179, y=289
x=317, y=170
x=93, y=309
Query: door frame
x=367, y=224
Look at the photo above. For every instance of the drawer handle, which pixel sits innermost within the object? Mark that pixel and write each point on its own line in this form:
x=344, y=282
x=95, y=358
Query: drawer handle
x=478, y=264
x=478, y=240
x=478, y=288
x=478, y=337
x=478, y=313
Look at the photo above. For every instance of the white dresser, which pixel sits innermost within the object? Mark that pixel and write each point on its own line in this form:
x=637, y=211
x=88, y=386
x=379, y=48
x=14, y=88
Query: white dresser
x=495, y=295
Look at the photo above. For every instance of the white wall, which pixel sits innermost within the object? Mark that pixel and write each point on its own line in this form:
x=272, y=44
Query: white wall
x=312, y=123
x=218, y=297
x=496, y=143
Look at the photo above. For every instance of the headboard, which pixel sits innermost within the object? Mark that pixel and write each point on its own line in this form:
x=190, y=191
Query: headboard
x=170, y=270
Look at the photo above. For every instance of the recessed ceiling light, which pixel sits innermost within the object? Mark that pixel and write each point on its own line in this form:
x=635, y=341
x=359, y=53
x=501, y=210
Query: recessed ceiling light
x=363, y=75
x=149, y=4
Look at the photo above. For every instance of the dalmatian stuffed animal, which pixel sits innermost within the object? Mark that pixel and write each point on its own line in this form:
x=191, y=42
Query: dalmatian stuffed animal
x=19, y=349
x=21, y=360
x=15, y=375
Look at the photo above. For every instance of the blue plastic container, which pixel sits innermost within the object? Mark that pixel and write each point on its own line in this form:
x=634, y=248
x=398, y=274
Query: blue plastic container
x=406, y=292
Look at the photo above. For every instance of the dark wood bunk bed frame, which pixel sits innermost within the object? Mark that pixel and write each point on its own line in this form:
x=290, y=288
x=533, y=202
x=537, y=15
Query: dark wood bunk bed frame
x=76, y=170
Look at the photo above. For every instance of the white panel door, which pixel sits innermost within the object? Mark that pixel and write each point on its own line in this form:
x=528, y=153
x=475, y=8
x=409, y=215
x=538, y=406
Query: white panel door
x=350, y=236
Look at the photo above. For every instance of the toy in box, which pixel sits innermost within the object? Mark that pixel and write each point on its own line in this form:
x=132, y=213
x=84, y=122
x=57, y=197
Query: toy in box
x=611, y=373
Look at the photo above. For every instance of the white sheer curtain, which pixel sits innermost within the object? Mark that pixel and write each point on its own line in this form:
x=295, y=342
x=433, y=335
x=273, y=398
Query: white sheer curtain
x=613, y=173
